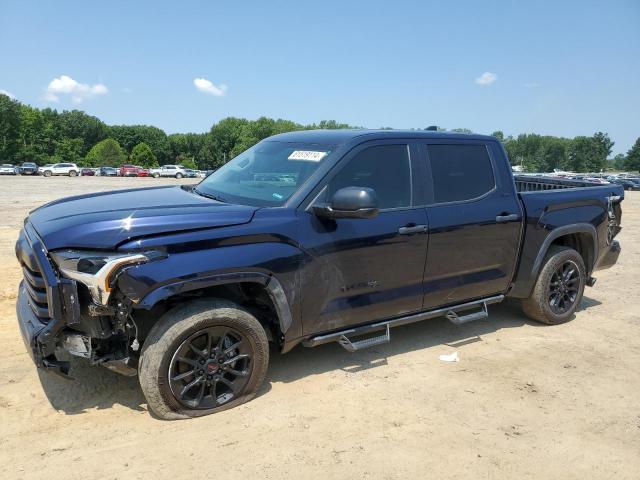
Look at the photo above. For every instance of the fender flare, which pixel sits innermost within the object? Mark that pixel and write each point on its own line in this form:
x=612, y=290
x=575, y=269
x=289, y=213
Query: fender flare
x=271, y=283
x=561, y=232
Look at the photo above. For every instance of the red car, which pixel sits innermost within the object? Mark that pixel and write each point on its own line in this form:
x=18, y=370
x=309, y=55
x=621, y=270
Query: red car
x=143, y=172
x=129, y=171
x=87, y=172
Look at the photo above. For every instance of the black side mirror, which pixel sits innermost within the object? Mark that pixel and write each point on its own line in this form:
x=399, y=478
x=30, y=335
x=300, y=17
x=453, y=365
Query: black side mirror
x=350, y=202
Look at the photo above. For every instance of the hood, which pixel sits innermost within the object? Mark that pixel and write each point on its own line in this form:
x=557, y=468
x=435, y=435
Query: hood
x=104, y=220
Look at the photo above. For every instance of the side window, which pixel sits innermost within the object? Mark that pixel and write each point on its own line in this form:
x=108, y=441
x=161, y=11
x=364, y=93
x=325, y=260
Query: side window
x=384, y=168
x=460, y=172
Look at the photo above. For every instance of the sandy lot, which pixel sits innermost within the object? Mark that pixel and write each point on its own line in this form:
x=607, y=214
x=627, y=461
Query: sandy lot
x=525, y=400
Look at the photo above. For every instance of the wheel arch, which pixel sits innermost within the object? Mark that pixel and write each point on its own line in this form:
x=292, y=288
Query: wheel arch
x=269, y=283
x=582, y=237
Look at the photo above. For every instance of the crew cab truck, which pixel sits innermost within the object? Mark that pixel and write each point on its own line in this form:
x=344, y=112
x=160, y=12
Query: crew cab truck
x=305, y=238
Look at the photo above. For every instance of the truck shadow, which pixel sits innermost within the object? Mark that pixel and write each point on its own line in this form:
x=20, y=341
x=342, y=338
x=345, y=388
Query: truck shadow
x=302, y=362
x=92, y=388
x=99, y=388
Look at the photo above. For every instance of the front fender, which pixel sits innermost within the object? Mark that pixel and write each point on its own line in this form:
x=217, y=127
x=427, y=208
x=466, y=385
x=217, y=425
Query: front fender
x=273, y=265
x=271, y=283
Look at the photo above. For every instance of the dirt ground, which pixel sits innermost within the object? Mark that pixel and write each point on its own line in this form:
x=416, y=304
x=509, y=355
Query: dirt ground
x=525, y=400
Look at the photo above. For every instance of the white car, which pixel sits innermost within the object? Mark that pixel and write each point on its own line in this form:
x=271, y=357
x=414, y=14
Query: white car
x=177, y=171
x=7, y=169
x=70, y=169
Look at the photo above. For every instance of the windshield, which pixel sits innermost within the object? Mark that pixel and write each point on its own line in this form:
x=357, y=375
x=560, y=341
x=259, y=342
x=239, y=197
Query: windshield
x=267, y=174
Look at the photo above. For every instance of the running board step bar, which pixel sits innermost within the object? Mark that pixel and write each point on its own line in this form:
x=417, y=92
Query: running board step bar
x=452, y=313
x=456, y=319
x=346, y=343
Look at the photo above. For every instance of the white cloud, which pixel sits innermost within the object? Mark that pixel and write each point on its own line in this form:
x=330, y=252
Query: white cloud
x=8, y=94
x=487, y=78
x=206, y=86
x=531, y=85
x=78, y=92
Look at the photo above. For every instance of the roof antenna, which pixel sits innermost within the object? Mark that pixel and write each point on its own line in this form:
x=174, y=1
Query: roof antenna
x=432, y=128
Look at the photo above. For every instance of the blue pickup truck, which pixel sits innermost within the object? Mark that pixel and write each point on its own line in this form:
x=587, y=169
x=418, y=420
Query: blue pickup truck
x=306, y=238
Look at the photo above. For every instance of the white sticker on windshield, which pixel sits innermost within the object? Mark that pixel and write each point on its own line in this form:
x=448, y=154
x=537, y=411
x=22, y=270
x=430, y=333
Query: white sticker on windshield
x=307, y=155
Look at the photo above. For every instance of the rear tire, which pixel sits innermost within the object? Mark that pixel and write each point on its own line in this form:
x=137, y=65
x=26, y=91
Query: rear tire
x=73, y=173
x=156, y=175
x=178, y=175
x=187, y=347
x=559, y=287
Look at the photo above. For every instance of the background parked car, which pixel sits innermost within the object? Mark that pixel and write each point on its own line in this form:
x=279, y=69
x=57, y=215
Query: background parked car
x=70, y=169
x=7, y=169
x=43, y=168
x=87, y=172
x=28, y=168
x=188, y=173
x=143, y=172
x=129, y=171
x=177, y=171
x=108, y=172
x=627, y=183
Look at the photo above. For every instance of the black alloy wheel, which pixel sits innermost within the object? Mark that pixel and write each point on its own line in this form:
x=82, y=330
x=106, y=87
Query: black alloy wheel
x=210, y=368
x=564, y=287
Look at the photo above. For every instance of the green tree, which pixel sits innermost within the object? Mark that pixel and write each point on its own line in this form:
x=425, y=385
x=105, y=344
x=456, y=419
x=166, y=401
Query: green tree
x=633, y=157
x=69, y=150
x=142, y=155
x=618, y=162
x=78, y=125
x=9, y=128
x=187, y=162
x=128, y=136
x=223, y=138
x=106, y=153
x=499, y=134
x=185, y=145
x=206, y=159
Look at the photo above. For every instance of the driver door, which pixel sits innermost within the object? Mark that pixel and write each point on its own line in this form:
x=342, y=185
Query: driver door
x=361, y=270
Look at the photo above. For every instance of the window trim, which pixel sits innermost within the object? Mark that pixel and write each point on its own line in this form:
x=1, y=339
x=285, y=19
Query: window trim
x=430, y=181
x=412, y=154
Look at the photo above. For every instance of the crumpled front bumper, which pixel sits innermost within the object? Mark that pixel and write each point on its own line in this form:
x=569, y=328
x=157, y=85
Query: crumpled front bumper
x=30, y=325
x=44, y=302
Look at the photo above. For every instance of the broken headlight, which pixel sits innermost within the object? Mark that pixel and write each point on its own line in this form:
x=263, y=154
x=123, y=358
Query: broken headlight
x=97, y=270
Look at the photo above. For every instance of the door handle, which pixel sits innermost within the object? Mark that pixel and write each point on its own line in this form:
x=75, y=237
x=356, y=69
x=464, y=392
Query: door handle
x=412, y=229
x=507, y=218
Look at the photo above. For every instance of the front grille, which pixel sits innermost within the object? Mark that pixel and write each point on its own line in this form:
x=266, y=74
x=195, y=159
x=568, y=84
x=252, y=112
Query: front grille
x=35, y=286
x=34, y=282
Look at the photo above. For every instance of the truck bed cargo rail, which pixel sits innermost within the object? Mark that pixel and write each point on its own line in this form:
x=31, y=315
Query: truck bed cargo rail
x=531, y=183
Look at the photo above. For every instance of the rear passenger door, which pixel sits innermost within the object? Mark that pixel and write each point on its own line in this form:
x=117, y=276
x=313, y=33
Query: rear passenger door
x=474, y=221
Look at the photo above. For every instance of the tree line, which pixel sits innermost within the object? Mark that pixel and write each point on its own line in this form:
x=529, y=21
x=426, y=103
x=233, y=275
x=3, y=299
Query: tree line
x=29, y=134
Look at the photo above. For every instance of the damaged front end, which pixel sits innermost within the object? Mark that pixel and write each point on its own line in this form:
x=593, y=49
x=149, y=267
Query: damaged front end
x=66, y=303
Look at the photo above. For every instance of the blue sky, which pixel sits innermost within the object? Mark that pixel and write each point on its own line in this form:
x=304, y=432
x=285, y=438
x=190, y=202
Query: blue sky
x=560, y=67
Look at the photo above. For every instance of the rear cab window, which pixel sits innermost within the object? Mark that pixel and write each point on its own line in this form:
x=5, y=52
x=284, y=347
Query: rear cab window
x=460, y=172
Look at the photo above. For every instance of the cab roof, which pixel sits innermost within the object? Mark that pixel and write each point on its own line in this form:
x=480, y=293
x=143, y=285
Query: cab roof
x=341, y=136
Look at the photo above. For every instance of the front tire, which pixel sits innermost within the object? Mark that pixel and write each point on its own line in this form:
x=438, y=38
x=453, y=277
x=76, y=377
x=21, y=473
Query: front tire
x=559, y=287
x=178, y=175
x=47, y=173
x=156, y=175
x=201, y=358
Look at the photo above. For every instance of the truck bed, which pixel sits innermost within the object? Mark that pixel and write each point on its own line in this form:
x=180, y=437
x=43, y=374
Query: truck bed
x=551, y=204
x=532, y=183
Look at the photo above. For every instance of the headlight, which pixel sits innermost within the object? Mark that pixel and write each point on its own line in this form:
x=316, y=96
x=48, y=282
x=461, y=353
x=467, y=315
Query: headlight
x=97, y=270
